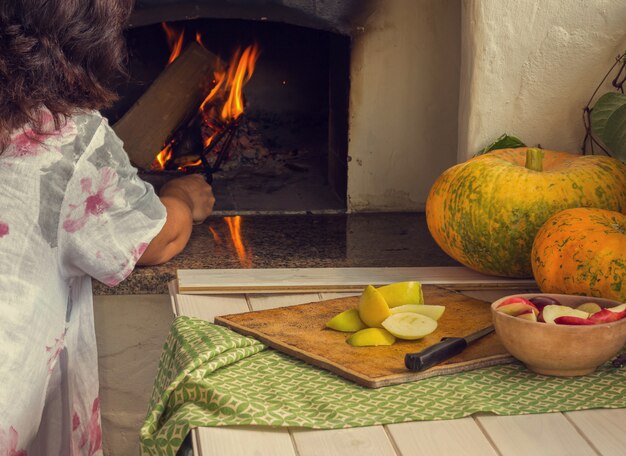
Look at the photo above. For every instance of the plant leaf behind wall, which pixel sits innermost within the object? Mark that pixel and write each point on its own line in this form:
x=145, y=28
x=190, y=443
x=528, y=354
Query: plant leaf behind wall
x=503, y=142
x=608, y=122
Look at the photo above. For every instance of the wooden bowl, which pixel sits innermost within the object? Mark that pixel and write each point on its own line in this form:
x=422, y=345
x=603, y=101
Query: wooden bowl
x=560, y=350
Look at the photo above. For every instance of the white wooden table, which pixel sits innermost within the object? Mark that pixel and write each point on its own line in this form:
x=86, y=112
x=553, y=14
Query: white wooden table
x=590, y=432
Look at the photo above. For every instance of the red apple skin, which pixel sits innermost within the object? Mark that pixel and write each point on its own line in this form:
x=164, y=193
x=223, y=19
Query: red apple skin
x=516, y=308
x=516, y=305
x=515, y=300
x=569, y=320
x=606, y=316
x=541, y=301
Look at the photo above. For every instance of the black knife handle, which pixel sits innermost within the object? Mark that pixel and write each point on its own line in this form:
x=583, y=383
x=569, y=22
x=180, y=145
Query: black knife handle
x=447, y=348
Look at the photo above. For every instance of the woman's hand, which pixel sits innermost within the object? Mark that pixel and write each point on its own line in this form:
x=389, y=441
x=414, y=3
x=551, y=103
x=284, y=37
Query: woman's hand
x=195, y=191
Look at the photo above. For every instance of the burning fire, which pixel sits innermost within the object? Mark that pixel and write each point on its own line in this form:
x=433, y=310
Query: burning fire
x=224, y=102
x=175, y=41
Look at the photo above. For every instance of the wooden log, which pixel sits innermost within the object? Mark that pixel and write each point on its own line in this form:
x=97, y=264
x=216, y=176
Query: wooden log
x=174, y=95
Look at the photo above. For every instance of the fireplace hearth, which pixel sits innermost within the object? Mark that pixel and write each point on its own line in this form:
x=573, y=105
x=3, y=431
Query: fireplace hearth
x=288, y=152
x=381, y=77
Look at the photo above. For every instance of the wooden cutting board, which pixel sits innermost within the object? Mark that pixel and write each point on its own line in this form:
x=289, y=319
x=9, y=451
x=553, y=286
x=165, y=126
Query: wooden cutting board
x=300, y=331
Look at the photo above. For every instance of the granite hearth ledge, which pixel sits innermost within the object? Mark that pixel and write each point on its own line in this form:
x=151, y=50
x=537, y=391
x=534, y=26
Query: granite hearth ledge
x=294, y=241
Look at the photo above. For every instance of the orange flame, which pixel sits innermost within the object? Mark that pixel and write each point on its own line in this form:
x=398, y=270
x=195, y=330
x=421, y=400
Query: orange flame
x=174, y=41
x=234, y=225
x=229, y=87
x=162, y=158
x=224, y=102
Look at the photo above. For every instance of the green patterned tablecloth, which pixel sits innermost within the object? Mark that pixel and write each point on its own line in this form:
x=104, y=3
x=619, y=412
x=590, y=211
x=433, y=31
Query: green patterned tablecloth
x=211, y=376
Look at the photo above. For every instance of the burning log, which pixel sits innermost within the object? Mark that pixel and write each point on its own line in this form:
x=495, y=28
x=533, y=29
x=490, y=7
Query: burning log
x=210, y=131
x=166, y=105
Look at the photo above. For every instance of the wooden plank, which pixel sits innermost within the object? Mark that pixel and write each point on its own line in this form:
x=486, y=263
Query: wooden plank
x=172, y=289
x=361, y=441
x=461, y=437
x=295, y=280
x=172, y=97
x=548, y=434
x=300, y=332
x=244, y=440
x=208, y=307
x=605, y=429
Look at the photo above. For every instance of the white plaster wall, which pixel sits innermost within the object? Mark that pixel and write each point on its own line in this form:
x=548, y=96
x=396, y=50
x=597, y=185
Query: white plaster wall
x=403, y=103
x=529, y=67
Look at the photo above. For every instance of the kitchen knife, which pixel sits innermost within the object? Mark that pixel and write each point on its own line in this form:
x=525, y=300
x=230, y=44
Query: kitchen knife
x=447, y=348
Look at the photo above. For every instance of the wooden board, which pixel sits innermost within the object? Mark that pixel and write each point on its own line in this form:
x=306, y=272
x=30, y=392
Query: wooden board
x=307, y=280
x=299, y=331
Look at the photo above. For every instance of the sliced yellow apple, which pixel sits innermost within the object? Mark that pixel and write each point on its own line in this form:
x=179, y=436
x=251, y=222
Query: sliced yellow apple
x=398, y=294
x=346, y=321
x=553, y=311
x=373, y=308
x=433, y=311
x=409, y=325
x=590, y=307
x=371, y=337
x=530, y=316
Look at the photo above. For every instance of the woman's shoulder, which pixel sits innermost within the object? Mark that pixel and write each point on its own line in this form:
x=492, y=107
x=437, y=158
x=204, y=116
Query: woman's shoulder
x=96, y=140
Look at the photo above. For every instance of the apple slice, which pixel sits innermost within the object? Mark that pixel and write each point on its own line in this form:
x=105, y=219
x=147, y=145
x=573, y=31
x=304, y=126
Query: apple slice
x=530, y=316
x=590, y=307
x=609, y=314
x=516, y=306
x=346, y=321
x=373, y=308
x=571, y=320
x=371, y=337
x=400, y=293
x=541, y=301
x=620, y=308
x=409, y=325
x=433, y=311
x=553, y=311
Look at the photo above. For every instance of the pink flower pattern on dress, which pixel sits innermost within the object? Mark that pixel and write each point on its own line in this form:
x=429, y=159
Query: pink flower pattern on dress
x=28, y=143
x=8, y=443
x=90, y=434
x=4, y=229
x=128, y=265
x=97, y=201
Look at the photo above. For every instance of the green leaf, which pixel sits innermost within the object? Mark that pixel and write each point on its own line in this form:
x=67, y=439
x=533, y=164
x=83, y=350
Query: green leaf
x=604, y=108
x=614, y=134
x=503, y=142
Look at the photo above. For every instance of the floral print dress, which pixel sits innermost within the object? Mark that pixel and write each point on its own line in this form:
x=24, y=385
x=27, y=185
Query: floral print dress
x=71, y=208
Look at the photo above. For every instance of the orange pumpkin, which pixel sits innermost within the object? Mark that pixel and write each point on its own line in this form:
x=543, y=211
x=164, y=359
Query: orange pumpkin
x=486, y=211
x=582, y=251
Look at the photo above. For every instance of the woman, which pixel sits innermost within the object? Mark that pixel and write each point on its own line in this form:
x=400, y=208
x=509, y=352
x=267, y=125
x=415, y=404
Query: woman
x=71, y=208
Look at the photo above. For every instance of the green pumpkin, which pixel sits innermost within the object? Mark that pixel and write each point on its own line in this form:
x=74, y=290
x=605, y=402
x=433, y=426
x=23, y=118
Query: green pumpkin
x=486, y=211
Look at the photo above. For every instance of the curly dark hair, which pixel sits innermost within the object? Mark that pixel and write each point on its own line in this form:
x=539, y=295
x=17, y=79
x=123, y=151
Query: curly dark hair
x=64, y=55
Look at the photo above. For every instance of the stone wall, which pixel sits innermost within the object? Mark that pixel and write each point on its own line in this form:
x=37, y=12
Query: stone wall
x=529, y=68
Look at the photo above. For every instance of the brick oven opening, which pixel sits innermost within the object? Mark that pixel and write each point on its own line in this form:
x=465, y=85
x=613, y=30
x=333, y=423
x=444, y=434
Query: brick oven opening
x=288, y=150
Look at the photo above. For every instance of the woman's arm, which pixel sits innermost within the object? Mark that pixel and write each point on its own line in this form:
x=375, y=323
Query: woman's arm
x=187, y=200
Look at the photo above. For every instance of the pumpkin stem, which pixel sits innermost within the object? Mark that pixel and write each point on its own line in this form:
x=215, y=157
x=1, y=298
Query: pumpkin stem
x=534, y=159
